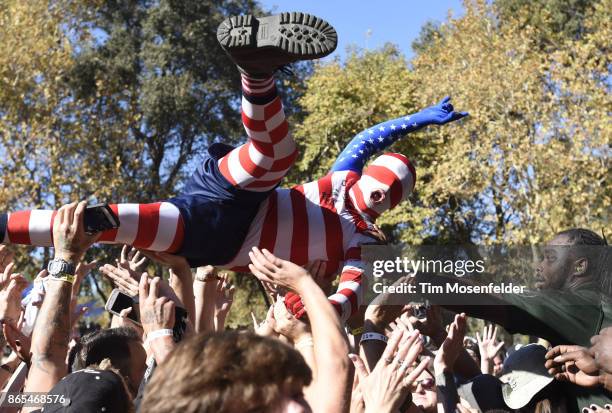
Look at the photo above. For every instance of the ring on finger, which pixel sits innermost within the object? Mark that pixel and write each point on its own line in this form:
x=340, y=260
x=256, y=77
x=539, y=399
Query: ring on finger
x=388, y=360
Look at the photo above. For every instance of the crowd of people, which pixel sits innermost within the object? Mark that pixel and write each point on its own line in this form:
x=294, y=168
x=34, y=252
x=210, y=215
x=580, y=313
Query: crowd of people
x=401, y=359
x=316, y=350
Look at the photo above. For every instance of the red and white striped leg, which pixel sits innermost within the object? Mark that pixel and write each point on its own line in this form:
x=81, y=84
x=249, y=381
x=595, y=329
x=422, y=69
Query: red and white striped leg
x=156, y=227
x=261, y=163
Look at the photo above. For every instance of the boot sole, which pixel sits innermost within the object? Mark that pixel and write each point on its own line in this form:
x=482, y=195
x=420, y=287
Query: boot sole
x=300, y=36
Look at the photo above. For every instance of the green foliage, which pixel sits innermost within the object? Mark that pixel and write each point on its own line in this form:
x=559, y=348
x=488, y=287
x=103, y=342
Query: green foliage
x=427, y=36
x=558, y=20
x=509, y=172
x=343, y=99
x=156, y=69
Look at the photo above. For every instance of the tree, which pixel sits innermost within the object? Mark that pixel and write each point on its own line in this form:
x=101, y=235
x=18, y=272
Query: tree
x=427, y=35
x=532, y=158
x=110, y=101
x=558, y=20
x=343, y=99
x=514, y=164
x=155, y=68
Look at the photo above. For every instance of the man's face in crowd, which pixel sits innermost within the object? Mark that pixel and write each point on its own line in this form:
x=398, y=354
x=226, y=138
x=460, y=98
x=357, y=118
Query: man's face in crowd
x=424, y=392
x=555, y=267
x=138, y=361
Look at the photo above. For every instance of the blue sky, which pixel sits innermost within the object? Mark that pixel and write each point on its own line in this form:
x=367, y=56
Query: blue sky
x=396, y=21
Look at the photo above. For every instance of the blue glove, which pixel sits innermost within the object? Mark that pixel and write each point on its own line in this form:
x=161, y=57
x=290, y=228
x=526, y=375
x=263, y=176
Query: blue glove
x=439, y=114
x=381, y=136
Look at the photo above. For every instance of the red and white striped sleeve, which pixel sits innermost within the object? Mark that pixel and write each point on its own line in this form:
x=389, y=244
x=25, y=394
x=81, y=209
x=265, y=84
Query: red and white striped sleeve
x=349, y=295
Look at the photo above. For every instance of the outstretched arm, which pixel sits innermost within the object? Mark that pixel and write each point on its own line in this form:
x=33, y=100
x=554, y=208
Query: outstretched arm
x=349, y=294
x=52, y=329
x=329, y=342
x=379, y=137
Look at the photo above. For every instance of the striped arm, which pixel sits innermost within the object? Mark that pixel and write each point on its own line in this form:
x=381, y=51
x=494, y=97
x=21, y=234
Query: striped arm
x=261, y=163
x=156, y=227
x=346, y=300
x=375, y=139
x=349, y=294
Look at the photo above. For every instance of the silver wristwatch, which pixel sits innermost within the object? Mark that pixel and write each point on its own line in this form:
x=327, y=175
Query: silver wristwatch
x=58, y=266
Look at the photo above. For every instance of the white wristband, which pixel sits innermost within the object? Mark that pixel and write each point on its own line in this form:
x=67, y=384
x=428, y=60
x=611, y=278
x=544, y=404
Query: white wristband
x=373, y=336
x=164, y=332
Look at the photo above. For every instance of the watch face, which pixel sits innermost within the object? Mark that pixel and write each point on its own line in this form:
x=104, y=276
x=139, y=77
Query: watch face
x=54, y=267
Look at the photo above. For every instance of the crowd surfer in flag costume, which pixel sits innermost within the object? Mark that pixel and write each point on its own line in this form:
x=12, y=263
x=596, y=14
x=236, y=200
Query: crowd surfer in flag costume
x=233, y=202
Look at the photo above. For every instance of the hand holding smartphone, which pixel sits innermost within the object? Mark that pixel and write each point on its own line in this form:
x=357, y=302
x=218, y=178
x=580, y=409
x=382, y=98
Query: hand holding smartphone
x=119, y=301
x=100, y=218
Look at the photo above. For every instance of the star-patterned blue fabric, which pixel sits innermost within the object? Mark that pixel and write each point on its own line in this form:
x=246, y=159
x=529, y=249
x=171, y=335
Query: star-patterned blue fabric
x=381, y=136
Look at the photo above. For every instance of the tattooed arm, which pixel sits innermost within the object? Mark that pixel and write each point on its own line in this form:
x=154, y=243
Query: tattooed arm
x=52, y=329
x=50, y=338
x=157, y=317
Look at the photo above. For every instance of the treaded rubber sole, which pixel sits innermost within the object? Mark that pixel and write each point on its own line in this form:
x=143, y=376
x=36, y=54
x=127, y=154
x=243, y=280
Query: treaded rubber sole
x=301, y=36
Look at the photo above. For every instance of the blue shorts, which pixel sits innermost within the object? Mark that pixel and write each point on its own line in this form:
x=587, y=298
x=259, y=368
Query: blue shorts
x=216, y=214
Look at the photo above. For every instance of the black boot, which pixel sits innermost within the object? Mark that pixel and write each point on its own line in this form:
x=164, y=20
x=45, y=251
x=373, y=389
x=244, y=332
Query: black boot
x=261, y=45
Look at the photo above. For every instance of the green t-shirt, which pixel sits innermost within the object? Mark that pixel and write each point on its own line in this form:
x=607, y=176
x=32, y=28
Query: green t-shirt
x=558, y=316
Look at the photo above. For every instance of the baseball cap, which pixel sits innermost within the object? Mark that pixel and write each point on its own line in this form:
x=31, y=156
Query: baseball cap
x=483, y=392
x=90, y=390
x=524, y=375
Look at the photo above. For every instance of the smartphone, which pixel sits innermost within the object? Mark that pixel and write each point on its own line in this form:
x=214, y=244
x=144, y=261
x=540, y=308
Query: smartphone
x=119, y=301
x=100, y=218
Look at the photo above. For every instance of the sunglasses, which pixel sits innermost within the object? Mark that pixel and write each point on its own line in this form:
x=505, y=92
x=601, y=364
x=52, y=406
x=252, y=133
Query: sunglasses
x=426, y=384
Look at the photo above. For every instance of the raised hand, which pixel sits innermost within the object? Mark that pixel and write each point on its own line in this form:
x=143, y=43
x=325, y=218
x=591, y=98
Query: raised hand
x=488, y=348
x=441, y=113
x=17, y=341
x=5, y=277
x=269, y=268
x=573, y=364
x=6, y=257
x=487, y=345
x=69, y=237
x=122, y=278
x=266, y=327
x=388, y=385
x=132, y=259
x=224, y=297
x=287, y=325
x=156, y=311
x=452, y=345
x=10, y=297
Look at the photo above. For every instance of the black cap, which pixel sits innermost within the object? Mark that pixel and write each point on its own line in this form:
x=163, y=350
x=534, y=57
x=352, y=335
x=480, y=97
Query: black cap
x=89, y=391
x=484, y=393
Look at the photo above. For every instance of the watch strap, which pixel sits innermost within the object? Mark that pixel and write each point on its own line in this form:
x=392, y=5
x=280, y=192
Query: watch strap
x=62, y=270
x=63, y=276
